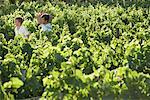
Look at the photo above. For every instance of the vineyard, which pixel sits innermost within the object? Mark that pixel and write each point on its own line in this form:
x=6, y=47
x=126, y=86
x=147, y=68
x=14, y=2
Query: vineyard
x=94, y=52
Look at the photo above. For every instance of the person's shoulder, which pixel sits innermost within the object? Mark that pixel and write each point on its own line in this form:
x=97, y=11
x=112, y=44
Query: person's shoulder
x=48, y=24
x=41, y=25
x=23, y=28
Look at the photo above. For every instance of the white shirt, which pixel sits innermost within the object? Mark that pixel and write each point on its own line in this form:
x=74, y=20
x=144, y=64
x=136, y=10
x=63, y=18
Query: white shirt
x=22, y=30
x=46, y=27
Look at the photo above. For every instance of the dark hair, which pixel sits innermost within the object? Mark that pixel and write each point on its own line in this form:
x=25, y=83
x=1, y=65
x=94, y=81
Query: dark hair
x=19, y=19
x=46, y=17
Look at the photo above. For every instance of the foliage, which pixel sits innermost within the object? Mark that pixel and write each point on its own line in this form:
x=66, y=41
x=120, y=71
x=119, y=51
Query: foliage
x=93, y=52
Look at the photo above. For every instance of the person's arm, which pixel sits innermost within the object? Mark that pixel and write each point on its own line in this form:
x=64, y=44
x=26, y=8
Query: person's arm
x=38, y=16
x=26, y=32
x=15, y=30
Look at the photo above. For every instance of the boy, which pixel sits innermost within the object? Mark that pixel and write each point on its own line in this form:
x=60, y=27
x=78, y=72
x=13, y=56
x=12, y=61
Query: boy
x=43, y=21
x=19, y=29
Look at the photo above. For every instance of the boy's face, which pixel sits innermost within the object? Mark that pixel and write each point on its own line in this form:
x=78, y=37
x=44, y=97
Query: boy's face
x=44, y=21
x=17, y=23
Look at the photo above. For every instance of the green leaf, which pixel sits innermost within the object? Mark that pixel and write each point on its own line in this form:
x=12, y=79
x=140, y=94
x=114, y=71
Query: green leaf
x=115, y=62
x=16, y=82
x=7, y=84
x=118, y=50
x=80, y=75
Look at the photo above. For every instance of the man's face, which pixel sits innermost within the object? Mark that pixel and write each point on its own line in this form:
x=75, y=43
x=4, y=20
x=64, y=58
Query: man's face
x=17, y=23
